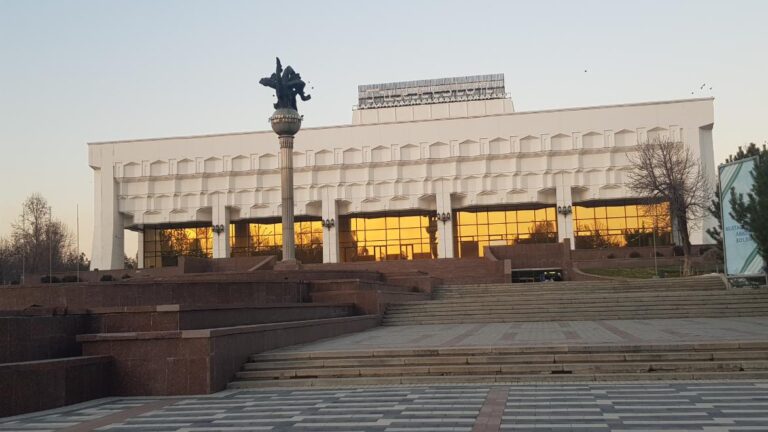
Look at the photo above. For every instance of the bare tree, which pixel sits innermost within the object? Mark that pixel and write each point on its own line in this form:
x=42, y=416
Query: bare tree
x=10, y=266
x=43, y=242
x=667, y=171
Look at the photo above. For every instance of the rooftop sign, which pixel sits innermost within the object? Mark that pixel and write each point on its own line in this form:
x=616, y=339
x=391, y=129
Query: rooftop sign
x=442, y=90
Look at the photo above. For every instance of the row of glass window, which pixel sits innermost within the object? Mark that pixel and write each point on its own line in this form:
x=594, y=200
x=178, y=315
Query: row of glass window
x=478, y=228
x=162, y=247
x=415, y=236
x=392, y=237
x=624, y=225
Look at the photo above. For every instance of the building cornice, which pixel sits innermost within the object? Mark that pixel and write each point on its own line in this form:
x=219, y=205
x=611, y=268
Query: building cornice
x=519, y=113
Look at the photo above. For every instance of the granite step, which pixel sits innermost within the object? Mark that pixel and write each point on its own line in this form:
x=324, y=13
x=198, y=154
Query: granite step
x=604, y=316
x=640, y=300
x=566, y=287
x=515, y=369
x=501, y=379
x=593, y=293
x=708, y=282
x=708, y=360
x=578, y=301
x=572, y=310
x=405, y=309
x=608, y=282
x=255, y=365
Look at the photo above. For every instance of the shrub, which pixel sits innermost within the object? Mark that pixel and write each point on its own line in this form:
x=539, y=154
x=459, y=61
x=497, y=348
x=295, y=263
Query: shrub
x=634, y=254
x=659, y=254
x=125, y=276
x=611, y=256
x=107, y=278
x=677, y=251
x=48, y=279
x=70, y=278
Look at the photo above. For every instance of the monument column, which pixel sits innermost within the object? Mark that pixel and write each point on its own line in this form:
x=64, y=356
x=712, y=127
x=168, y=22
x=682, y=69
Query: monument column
x=286, y=122
x=286, y=190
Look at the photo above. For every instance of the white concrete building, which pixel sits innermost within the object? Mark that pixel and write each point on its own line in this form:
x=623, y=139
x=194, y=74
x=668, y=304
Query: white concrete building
x=427, y=169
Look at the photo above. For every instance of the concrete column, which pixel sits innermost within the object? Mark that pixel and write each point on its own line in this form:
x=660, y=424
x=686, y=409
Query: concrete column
x=330, y=235
x=140, y=251
x=220, y=218
x=286, y=190
x=444, y=229
x=108, y=239
x=564, y=199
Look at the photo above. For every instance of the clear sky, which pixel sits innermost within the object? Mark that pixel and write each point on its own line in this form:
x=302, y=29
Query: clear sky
x=73, y=72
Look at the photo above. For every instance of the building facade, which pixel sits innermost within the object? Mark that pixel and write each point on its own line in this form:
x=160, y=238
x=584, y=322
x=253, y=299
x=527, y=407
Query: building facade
x=427, y=169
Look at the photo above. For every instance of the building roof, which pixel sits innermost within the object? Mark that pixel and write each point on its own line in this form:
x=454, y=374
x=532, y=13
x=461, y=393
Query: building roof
x=518, y=113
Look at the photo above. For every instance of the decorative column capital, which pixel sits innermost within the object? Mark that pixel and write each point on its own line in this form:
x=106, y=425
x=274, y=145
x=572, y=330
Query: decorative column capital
x=286, y=122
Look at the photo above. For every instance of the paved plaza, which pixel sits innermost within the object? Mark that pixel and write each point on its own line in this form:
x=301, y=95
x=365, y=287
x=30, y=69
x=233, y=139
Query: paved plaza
x=662, y=331
x=707, y=406
x=679, y=406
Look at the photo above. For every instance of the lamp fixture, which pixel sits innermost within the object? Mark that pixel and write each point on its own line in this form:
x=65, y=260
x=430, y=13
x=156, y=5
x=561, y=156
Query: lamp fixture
x=218, y=229
x=329, y=223
x=443, y=217
x=564, y=210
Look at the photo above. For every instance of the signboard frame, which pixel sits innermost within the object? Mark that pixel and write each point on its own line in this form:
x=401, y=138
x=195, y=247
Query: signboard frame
x=725, y=204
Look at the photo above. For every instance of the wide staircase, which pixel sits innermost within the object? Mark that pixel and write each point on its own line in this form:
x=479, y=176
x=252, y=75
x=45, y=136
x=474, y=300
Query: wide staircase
x=698, y=297
x=734, y=360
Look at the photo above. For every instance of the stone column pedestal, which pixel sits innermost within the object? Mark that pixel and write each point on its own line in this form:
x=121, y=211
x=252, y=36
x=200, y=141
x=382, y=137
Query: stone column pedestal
x=286, y=123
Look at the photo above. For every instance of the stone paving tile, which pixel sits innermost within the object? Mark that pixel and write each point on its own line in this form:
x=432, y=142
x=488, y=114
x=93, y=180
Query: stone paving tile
x=678, y=406
x=658, y=406
x=543, y=333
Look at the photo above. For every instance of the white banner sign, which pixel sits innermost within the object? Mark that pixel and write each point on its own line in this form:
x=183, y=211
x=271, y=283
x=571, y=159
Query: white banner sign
x=741, y=255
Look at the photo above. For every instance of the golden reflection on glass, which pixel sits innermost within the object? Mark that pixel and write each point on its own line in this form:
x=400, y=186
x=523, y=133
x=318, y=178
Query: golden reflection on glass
x=391, y=237
x=267, y=239
x=477, y=228
x=525, y=216
x=163, y=246
x=621, y=225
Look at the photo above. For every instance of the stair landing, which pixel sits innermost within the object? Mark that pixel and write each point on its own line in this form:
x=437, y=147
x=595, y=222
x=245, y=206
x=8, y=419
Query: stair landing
x=617, y=332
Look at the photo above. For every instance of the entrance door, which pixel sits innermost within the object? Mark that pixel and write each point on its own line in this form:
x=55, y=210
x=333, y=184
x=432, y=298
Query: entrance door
x=380, y=252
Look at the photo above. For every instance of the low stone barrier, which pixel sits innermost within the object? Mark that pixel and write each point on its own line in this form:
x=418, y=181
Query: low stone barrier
x=203, y=361
x=369, y=297
x=39, y=334
x=156, y=292
x=45, y=384
x=184, y=317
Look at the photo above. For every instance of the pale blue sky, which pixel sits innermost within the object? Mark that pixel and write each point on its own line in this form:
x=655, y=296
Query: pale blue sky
x=72, y=72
